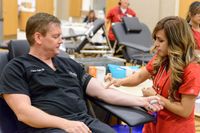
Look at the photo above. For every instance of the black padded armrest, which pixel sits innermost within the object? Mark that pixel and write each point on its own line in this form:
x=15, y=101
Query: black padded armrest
x=131, y=116
x=136, y=46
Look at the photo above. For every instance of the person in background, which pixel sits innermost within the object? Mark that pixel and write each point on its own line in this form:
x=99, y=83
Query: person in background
x=115, y=15
x=175, y=70
x=91, y=17
x=193, y=18
x=47, y=93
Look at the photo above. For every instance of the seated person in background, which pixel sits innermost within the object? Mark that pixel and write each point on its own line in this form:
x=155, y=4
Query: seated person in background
x=47, y=92
x=91, y=17
x=175, y=70
x=115, y=15
x=193, y=19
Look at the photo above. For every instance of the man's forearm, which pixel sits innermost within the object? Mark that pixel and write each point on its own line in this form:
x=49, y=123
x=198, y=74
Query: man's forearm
x=119, y=98
x=112, y=96
x=37, y=118
x=96, y=89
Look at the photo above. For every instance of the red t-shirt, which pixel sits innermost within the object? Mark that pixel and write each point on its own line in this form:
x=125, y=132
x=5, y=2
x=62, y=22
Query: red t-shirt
x=168, y=122
x=115, y=15
x=197, y=38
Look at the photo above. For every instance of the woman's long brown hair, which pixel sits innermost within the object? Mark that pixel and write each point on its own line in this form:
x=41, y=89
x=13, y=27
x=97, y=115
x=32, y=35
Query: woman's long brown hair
x=181, y=47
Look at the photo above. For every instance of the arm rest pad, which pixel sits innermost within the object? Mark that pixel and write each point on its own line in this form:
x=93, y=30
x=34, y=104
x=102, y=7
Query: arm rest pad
x=136, y=46
x=131, y=116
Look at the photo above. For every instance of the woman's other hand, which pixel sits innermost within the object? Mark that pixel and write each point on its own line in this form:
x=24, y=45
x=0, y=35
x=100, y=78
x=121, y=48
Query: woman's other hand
x=149, y=92
x=111, y=81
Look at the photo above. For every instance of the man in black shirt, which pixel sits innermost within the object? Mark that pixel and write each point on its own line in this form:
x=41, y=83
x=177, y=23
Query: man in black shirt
x=47, y=92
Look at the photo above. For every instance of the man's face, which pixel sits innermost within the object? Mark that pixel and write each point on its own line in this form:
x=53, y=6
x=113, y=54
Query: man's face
x=51, y=42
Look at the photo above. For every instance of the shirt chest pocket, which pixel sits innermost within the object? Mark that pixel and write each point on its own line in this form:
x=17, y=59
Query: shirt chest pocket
x=42, y=79
x=67, y=79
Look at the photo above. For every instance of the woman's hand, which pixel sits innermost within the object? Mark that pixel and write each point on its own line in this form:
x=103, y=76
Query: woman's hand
x=111, y=81
x=148, y=92
x=153, y=103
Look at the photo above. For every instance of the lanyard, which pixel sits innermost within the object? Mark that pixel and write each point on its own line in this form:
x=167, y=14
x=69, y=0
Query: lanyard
x=158, y=78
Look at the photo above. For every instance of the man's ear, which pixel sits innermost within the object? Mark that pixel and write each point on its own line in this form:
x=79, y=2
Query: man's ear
x=37, y=36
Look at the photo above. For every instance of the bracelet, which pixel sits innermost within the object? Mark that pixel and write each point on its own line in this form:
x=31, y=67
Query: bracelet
x=153, y=101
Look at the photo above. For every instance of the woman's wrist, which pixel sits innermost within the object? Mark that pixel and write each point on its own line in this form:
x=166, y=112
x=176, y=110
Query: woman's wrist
x=158, y=95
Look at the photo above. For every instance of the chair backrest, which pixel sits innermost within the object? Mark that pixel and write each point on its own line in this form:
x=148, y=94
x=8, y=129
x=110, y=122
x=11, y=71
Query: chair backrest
x=143, y=38
x=134, y=42
x=7, y=117
x=97, y=24
x=3, y=60
x=17, y=48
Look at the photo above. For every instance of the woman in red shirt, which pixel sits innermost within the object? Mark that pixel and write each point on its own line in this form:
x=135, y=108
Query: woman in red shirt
x=175, y=70
x=115, y=15
x=193, y=19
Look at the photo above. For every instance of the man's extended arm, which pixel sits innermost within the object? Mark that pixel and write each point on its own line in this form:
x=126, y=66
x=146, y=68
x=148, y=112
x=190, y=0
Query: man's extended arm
x=112, y=96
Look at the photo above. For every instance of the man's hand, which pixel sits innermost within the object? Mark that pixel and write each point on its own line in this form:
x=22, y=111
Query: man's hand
x=111, y=81
x=153, y=103
x=75, y=127
x=148, y=92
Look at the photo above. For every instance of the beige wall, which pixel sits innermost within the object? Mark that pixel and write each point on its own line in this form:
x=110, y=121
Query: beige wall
x=148, y=11
x=145, y=12
x=151, y=11
x=62, y=9
x=184, y=7
x=167, y=8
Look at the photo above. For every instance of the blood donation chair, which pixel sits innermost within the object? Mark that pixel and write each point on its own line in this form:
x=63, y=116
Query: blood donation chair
x=82, y=43
x=132, y=116
x=134, y=39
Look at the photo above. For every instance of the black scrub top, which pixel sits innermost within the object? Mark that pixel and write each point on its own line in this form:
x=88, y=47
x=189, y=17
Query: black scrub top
x=60, y=92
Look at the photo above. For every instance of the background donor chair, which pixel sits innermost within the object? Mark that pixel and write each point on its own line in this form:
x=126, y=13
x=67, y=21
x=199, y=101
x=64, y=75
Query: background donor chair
x=134, y=38
x=82, y=43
